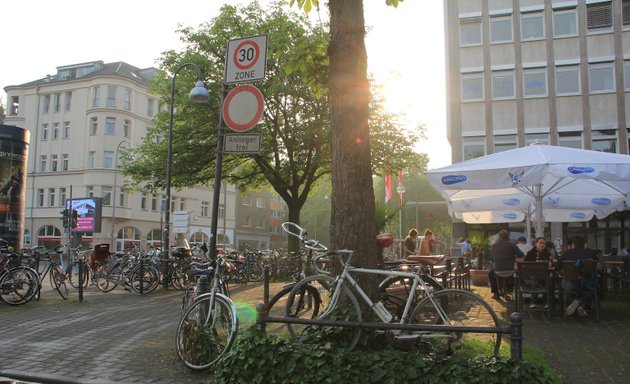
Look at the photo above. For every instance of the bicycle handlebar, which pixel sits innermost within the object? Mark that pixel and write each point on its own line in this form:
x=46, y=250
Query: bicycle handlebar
x=301, y=233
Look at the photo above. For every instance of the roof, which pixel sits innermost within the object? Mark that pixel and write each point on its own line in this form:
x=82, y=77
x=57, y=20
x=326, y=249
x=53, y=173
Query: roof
x=97, y=68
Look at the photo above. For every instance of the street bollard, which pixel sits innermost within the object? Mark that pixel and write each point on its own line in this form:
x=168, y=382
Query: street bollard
x=141, y=273
x=261, y=317
x=266, y=286
x=516, y=335
x=81, y=269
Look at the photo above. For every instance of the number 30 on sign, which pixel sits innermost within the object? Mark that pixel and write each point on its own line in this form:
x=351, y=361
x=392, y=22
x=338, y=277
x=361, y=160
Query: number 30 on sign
x=246, y=59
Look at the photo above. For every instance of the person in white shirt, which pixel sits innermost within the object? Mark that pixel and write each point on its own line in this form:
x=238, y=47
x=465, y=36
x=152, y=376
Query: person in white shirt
x=522, y=244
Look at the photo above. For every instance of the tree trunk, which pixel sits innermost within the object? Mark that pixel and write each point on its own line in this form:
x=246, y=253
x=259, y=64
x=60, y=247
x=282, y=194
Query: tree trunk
x=352, y=217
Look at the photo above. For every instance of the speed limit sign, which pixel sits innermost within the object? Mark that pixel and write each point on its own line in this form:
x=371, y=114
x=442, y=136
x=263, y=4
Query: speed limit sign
x=246, y=59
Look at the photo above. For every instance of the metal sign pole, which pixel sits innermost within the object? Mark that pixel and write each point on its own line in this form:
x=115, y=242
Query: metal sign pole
x=217, y=178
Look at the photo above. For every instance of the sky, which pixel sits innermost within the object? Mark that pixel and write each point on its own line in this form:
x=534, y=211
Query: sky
x=405, y=47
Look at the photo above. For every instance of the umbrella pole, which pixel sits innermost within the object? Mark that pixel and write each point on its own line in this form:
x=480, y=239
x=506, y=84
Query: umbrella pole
x=539, y=223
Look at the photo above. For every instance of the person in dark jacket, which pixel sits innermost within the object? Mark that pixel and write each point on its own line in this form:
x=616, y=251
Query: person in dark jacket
x=503, y=254
x=540, y=252
x=577, y=252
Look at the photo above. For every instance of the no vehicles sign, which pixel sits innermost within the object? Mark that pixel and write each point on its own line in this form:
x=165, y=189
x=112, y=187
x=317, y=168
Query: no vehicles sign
x=246, y=59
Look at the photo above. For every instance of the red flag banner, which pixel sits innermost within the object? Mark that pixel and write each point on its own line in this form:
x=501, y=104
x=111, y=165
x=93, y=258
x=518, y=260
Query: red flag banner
x=388, y=188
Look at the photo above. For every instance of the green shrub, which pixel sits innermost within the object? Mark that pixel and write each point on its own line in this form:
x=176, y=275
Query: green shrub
x=264, y=358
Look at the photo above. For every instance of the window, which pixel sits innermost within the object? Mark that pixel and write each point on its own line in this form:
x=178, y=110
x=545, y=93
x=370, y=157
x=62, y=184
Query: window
x=565, y=23
x=541, y=138
x=260, y=222
x=126, y=128
x=110, y=126
x=40, y=197
x=68, y=101
x=106, y=194
x=91, y=159
x=246, y=221
x=46, y=103
x=44, y=131
x=470, y=31
x=601, y=77
x=568, y=80
x=64, y=162
x=163, y=204
x=260, y=203
x=51, y=197
x=53, y=163
x=127, y=99
x=247, y=200
x=57, y=102
x=504, y=143
x=500, y=29
x=221, y=211
x=473, y=147
x=27, y=237
x=111, y=96
x=570, y=139
x=154, y=203
x=93, y=125
x=472, y=87
x=122, y=197
x=204, y=208
x=626, y=11
x=532, y=26
x=55, y=131
x=95, y=97
x=604, y=140
x=150, y=107
x=42, y=163
x=62, y=197
x=599, y=15
x=66, y=129
x=503, y=85
x=108, y=159
x=182, y=204
x=143, y=201
x=534, y=82
x=626, y=75
x=89, y=191
x=172, y=203
x=15, y=106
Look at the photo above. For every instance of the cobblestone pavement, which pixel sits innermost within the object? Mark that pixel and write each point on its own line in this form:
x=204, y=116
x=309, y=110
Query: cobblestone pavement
x=121, y=337
x=582, y=350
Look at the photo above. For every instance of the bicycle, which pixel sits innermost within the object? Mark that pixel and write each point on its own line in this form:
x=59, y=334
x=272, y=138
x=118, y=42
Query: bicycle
x=54, y=270
x=445, y=307
x=208, y=327
x=18, y=283
x=309, y=296
x=246, y=270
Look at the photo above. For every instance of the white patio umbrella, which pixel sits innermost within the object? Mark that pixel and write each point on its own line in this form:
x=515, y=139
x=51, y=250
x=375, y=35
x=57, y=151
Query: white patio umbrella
x=552, y=184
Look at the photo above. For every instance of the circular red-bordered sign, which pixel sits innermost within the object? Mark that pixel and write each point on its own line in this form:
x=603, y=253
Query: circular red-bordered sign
x=246, y=55
x=243, y=107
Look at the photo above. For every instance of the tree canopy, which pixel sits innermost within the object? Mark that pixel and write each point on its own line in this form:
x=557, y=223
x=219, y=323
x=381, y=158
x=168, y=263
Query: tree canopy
x=296, y=124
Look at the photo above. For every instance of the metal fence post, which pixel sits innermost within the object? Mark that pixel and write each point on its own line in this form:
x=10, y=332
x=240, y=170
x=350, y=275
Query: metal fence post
x=516, y=335
x=261, y=317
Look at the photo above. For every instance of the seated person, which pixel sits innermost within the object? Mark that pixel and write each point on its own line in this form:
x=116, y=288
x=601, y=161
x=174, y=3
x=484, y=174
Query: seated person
x=577, y=252
x=540, y=252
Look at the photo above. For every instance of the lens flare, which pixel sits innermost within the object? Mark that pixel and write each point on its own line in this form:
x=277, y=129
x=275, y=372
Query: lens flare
x=245, y=312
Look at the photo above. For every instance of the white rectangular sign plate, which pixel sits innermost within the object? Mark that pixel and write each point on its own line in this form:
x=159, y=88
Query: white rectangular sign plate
x=240, y=143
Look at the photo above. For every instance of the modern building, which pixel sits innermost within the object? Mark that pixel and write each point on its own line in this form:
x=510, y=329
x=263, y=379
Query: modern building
x=80, y=119
x=548, y=71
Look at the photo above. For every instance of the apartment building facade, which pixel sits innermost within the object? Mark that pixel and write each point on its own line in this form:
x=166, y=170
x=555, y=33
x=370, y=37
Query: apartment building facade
x=80, y=119
x=548, y=71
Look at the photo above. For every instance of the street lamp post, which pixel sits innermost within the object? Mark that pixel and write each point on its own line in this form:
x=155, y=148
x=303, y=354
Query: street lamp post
x=401, y=191
x=199, y=95
x=113, y=197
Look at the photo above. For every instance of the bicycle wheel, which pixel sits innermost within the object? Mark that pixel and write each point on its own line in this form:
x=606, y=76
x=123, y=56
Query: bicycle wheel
x=103, y=279
x=19, y=285
x=394, y=291
x=254, y=272
x=58, y=282
x=178, y=279
x=460, y=308
x=309, y=297
x=73, y=277
x=143, y=282
x=304, y=303
x=205, y=333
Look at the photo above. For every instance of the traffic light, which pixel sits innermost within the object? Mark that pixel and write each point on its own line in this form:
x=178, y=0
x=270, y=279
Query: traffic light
x=74, y=222
x=64, y=218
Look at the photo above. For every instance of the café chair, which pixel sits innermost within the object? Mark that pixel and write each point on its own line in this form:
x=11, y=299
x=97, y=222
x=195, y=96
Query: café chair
x=532, y=278
x=583, y=275
x=503, y=278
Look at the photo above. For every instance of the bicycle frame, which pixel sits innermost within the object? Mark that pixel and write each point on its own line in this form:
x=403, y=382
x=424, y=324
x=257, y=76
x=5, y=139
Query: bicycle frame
x=381, y=312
